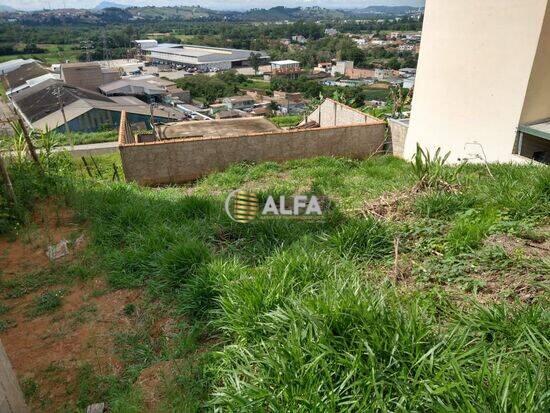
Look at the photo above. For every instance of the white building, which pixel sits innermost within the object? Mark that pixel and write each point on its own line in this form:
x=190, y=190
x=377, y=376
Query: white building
x=342, y=67
x=200, y=57
x=483, y=81
x=282, y=67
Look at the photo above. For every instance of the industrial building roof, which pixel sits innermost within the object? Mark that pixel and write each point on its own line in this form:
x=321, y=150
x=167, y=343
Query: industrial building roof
x=40, y=104
x=205, y=54
x=19, y=76
x=41, y=101
x=14, y=64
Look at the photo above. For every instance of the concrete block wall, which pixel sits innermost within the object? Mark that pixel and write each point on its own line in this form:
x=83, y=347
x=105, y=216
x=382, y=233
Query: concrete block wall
x=183, y=160
x=332, y=113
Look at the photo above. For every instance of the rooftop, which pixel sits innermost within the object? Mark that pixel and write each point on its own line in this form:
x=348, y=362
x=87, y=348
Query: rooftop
x=206, y=54
x=284, y=62
x=27, y=71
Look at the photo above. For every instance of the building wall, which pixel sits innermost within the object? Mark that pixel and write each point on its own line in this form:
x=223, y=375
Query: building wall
x=475, y=63
x=99, y=119
x=159, y=163
x=398, y=130
x=87, y=77
x=11, y=396
x=537, y=100
x=332, y=113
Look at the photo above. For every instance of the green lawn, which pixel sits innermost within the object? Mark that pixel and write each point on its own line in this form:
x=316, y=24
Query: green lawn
x=399, y=300
x=53, y=54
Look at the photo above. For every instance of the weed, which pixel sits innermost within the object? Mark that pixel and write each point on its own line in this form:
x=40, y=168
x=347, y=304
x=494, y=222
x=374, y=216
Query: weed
x=84, y=313
x=129, y=309
x=469, y=229
x=431, y=171
x=4, y=309
x=29, y=387
x=47, y=303
x=6, y=324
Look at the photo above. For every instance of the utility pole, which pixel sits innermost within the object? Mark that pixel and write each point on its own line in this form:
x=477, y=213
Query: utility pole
x=151, y=108
x=62, y=108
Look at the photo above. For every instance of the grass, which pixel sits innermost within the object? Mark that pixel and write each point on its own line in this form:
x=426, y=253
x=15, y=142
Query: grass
x=287, y=315
x=286, y=121
x=82, y=138
x=51, y=56
x=46, y=303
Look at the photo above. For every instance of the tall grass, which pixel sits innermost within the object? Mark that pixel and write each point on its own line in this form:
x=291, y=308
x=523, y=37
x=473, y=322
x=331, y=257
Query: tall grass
x=302, y=316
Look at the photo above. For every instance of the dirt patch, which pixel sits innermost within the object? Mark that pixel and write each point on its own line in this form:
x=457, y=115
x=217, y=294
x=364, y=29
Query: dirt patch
x=538, y=248
x=47, y=350
x=28, y=252
x=153, y=379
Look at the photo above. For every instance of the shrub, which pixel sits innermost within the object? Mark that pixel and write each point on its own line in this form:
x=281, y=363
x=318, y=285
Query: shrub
x=431, y=171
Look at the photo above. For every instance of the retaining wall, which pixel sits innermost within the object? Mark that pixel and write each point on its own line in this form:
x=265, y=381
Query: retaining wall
x=183, y=160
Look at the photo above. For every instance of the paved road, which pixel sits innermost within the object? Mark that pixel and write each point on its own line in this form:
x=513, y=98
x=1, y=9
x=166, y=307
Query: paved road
x=91, y=149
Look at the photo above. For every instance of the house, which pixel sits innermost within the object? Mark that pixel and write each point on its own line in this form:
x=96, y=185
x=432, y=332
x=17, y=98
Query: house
x=323, y=67
x=299, y=39
x=341, y=67
x=239, y=102
x=285, y=67
x=408, y=83
x=231, y=114
x=331, y=32
x=466, y=100
x=407, y=72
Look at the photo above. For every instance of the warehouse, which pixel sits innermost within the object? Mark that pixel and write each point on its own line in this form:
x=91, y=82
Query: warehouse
x=200, y=57
x=84, y=110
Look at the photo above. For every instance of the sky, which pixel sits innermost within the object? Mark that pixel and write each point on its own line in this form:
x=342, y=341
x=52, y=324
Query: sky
x=213, y=4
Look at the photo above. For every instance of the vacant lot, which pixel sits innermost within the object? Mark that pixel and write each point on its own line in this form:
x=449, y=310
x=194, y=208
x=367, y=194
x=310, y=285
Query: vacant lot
x=411, y=295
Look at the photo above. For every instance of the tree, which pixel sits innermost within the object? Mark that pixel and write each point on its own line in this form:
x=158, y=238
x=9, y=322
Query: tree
x=255, y=60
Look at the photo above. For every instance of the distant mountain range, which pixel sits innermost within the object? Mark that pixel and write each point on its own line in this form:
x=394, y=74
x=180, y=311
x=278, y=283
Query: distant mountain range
x=6, y=8
x=387, y=9
x=109, y=5
x=105, y=12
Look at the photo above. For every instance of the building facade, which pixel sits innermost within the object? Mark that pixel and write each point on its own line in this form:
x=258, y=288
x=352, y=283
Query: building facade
x=483, y=80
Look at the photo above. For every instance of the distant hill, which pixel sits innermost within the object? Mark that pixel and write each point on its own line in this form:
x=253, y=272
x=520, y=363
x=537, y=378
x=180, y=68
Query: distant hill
x=289, y=13
x=109, y=5
x=392, y=10
x=6, y=8
x=170, y=13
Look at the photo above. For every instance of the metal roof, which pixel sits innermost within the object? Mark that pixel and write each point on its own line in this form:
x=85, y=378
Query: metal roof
x=539, y=128
x=19, y=76
x=205, y=54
